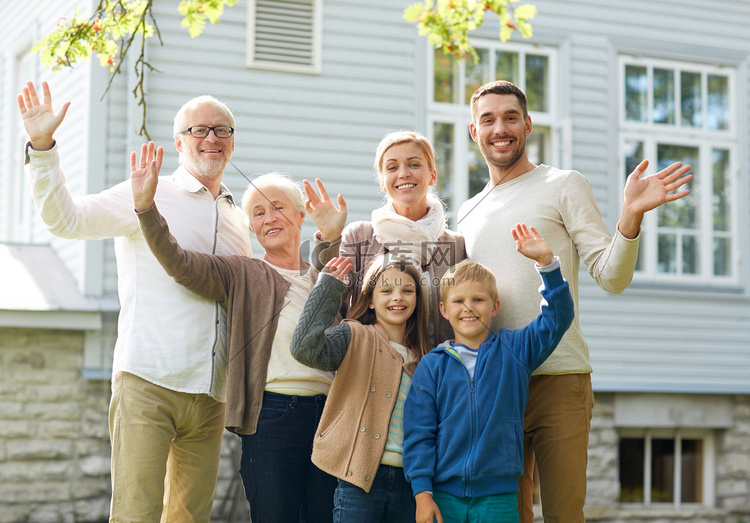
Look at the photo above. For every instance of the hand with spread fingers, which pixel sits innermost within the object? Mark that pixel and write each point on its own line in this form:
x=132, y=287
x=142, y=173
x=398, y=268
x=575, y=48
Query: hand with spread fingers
x=644, y=193
x=339, y=268
x=531, y=245
x=39, y=119
x=144, y=176
x=329, y=219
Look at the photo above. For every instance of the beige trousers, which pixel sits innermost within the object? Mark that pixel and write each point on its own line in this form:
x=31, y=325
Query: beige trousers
x=557, y=423
x=165, y=452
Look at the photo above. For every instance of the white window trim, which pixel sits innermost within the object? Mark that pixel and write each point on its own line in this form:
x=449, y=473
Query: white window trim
x=443, y=110
x=704, y=139
x=709, y=464
x=676, y=129
x=314, y=68
x=22, y=66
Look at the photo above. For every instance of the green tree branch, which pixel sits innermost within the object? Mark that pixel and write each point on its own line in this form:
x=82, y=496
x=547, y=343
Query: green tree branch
x=447, y=23
x=110, y=32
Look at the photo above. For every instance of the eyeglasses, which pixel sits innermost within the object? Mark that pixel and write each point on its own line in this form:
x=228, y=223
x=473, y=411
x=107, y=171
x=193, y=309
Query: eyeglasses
x=201, y=131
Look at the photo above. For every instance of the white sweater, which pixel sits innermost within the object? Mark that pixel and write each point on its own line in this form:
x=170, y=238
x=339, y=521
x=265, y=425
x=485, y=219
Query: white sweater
x=561, y=206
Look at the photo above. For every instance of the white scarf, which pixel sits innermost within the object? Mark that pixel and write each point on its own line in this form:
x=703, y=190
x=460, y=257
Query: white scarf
x=413, y=240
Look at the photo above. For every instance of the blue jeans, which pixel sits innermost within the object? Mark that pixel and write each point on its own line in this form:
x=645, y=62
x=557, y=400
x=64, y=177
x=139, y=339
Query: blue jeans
x=390, y=499
x=499, y=508
x=281, y=483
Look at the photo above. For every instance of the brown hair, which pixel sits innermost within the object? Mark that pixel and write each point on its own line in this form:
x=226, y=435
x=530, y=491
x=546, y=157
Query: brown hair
x=498, y=87
x=468, y=271
x=416, y=326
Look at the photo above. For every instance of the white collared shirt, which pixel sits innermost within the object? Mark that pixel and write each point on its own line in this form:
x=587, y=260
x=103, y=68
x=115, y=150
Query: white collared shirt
x=166, y=334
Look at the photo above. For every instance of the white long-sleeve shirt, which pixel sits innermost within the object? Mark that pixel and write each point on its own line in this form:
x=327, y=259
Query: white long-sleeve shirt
x=166, y=334
x=561, y=206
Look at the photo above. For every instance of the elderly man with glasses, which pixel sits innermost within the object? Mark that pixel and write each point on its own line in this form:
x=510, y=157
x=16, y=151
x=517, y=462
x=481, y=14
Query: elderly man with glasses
x=166, y=414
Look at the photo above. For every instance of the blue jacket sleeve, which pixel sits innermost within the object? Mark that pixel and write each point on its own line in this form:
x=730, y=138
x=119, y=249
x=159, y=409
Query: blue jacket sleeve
x=538, y=340
x=420, y=429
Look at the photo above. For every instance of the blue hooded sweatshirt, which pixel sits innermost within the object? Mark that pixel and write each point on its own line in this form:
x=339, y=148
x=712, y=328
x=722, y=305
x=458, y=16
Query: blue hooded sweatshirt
x=464, y=436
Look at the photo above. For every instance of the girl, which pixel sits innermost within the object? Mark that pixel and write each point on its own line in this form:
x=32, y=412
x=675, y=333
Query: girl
x=374, y=353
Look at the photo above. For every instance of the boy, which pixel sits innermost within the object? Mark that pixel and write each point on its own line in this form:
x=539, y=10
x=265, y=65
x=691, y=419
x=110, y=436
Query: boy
x=463, y=419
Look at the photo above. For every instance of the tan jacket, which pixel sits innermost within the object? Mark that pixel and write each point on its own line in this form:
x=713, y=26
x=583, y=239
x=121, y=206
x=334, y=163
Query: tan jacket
x=353, y=429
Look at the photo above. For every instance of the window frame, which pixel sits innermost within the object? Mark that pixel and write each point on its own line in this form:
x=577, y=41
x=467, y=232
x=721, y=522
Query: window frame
x=651, y=135
x=20, y=210
x=708, y=439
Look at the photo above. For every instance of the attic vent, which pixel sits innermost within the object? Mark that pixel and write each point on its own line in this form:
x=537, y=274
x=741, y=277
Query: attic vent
x=284, y=35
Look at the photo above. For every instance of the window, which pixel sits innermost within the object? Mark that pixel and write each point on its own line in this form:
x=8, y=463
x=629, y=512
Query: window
x=666, y=466
x=462, y=171
x=682, y=112
x=284, y=35
x=20, y=211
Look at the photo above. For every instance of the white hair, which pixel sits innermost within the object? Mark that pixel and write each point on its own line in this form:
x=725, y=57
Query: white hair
x=180, y=119
x=277, y=180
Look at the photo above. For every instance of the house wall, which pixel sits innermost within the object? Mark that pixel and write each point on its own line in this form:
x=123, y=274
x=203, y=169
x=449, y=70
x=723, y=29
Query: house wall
x=653, y=338
x=54, y=446
x=54, y=441
x=732, y=472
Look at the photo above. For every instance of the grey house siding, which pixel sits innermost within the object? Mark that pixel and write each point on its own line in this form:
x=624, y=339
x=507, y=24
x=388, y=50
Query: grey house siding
x=310, y=126
x=654, y=338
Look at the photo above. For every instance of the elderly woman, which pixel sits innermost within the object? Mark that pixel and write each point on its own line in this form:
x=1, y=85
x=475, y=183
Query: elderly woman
x=274, y=403
x=410, y=224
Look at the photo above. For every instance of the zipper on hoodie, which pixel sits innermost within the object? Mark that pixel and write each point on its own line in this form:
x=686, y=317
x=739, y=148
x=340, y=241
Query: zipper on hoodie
x=472, y=417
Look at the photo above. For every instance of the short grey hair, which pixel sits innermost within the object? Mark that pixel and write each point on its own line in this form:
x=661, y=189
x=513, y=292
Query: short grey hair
x=276, y=180
x=180, y=119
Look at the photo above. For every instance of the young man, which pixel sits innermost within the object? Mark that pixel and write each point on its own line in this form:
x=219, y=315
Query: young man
x=169, y=371
x=562, y=206
x=463, y=418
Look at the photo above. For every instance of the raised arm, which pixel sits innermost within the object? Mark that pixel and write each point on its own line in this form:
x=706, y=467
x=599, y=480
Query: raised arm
x=531, y=245
x=89, y=217
x=645, y=194
x=39, y=119
x=144, y=177
x=536, y=341
x=329, y=219
x=207, y=275
x=311, y=344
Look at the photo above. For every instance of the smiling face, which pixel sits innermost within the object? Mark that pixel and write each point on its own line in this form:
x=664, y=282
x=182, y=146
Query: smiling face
x=469, y=308
x=406, y=176
x=275, y=221
x=394, y=299
x=500, y=130
x=205, y=158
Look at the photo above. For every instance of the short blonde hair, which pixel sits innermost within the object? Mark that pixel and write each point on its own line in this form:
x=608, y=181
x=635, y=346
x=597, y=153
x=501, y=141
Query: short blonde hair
x=399, y=137
x=468, y=271
x=278, y=180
